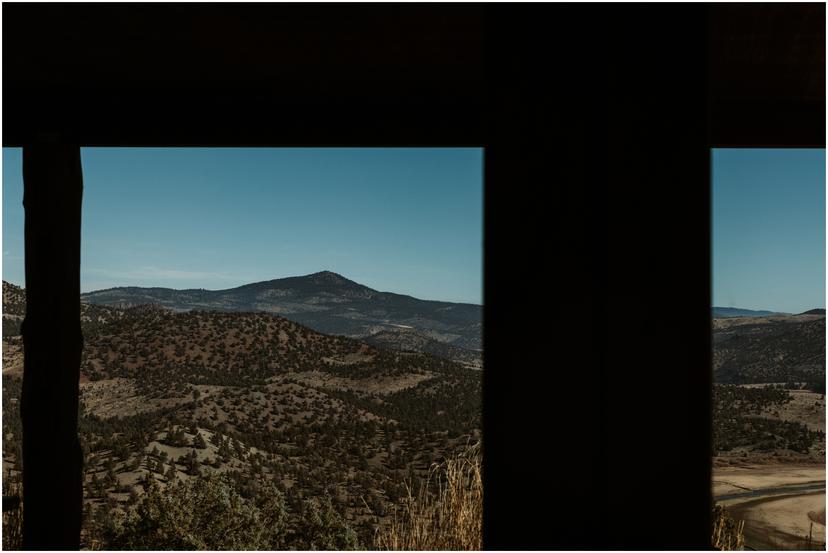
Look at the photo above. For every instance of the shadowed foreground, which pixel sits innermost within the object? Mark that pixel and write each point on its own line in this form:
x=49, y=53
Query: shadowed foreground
x=209, y=513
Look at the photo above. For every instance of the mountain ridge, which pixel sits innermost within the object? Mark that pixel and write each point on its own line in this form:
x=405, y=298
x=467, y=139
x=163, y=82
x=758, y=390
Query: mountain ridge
x=253, y=285
x=324, y=301
x=739, y=312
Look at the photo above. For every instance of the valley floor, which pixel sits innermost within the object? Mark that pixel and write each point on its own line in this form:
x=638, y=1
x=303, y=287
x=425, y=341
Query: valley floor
x=782, y=505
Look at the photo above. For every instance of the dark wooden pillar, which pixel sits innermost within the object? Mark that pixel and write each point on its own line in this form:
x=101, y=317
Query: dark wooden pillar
x=52, y=340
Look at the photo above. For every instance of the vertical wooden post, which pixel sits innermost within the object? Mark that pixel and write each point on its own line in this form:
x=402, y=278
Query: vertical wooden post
x=52, y=342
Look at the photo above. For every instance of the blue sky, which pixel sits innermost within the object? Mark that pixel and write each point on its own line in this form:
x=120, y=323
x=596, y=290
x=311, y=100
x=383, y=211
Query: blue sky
x=405, y=220
x=769, y=229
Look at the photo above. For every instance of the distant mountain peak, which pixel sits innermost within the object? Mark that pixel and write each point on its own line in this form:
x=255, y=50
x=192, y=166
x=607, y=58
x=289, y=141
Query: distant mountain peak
x=817, y=311
x=324, y=301
x=331, y=278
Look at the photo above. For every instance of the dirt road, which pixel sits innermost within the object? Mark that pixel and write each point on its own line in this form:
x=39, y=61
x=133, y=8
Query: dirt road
x=781, y=505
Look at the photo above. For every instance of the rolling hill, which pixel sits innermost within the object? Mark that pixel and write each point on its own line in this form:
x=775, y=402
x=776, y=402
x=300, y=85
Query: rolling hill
x=173, y=396
x=737, y=312
x=324, y=301
x=14, y=310
x=769, y=349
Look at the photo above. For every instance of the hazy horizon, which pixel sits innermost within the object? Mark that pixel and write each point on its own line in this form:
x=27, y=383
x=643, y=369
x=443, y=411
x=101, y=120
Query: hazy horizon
x=231, y=287
x=401, y=220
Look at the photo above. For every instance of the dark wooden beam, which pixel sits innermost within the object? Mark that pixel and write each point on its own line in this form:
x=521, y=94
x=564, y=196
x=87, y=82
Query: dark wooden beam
x=52, y=341
x=239, y=74
x=766, y=75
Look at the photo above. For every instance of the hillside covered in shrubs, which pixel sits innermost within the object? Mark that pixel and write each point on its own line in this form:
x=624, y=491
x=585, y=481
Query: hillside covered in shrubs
x=309, y=441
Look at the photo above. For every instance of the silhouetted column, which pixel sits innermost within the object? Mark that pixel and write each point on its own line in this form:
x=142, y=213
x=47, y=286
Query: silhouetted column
x=52, y=341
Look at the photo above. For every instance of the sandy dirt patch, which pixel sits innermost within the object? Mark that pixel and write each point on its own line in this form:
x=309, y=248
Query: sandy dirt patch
x=119, y=397
x=727, y=480
x=362, y=355
x=782, y=523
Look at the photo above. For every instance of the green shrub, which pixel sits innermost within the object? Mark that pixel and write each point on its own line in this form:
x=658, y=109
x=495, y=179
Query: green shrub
x=202, y=514
x=321, y=528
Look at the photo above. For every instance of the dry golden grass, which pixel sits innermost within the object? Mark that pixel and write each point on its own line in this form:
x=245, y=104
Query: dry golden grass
x=728, y=534
x=13, y=518
x=447, y=512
